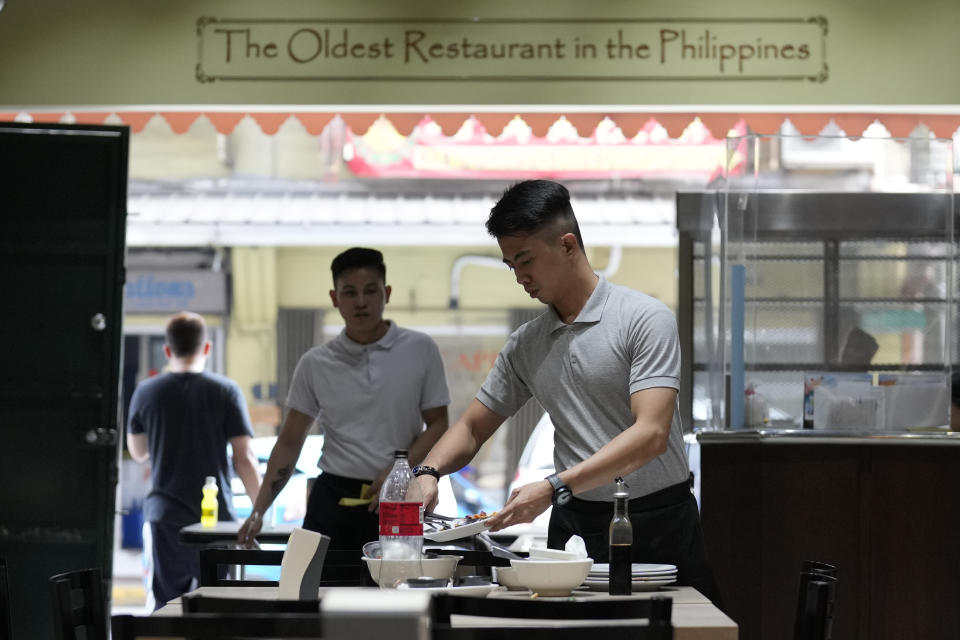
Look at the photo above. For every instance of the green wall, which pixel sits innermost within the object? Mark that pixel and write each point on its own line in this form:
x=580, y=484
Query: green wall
x=135, y=52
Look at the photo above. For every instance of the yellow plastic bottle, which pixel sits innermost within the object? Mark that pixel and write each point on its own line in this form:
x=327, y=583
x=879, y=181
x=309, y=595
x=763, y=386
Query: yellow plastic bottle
x=209, y=506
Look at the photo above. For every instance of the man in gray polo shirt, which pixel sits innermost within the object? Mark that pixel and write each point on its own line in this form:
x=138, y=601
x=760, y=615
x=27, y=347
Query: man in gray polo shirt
x=604, y=362
x=373, y=389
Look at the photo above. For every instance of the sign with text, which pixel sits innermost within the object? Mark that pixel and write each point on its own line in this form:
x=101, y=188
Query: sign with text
x=173, y=291
x=506, y=50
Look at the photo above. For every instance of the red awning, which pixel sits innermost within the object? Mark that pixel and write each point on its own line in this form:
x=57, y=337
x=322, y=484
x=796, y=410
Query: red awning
x=719, y=123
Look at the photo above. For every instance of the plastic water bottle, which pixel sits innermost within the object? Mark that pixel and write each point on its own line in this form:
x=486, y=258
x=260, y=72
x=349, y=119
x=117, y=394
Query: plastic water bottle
x=209, y=507
x=401, y=523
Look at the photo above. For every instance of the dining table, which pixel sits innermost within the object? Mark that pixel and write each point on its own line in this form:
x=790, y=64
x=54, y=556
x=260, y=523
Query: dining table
x=694, y=617
x=225, y=532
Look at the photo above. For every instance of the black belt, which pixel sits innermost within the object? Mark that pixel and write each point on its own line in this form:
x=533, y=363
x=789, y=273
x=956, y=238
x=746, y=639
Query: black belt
x=674, y=494
x=348, y=487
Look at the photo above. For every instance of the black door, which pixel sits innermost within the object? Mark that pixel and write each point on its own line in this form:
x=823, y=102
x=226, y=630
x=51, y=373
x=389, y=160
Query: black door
x=63, y=192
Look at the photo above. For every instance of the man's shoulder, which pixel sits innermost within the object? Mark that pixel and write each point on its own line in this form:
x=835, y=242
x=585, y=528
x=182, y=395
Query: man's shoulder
x=218, y=380
x=414, y=337
x=631, y=301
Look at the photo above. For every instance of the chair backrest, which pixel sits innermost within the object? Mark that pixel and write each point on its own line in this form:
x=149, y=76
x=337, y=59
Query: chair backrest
x=340, y=567
x=218, y=625
x=212, y=559
x=657, y=609
x=579, y=632
x=6, y=625
x=78, y=603
x=208, y=604
x=815, y=601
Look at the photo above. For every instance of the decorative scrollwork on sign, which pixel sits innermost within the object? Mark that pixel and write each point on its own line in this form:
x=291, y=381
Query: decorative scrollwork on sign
x=820, y=21
x=202, y=22
x=823, y=75
x=201, y=76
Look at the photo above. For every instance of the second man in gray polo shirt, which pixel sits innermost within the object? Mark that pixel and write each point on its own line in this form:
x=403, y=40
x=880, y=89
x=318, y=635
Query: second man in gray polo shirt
x=373, y=389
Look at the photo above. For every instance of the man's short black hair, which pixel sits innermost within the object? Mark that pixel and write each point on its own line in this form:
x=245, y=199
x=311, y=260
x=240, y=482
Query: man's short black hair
x=186, y=334
x=358, y=258
x=529, y=206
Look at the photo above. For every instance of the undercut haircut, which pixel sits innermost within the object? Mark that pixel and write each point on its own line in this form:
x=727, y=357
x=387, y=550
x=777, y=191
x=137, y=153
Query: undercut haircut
x=358, y=258
x=186, y=334
x=532, y=206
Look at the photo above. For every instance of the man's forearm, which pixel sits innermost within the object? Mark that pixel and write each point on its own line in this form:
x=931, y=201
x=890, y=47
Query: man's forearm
x=626, y=453
x=426, y=441
x=246, y=468
x=454, y=450
x=280, y=467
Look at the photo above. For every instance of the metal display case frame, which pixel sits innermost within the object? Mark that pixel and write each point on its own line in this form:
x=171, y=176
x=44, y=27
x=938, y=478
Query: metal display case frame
x=828, y=218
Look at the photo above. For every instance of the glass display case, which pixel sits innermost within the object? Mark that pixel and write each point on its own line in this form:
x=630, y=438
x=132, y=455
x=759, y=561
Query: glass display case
x=820, y=297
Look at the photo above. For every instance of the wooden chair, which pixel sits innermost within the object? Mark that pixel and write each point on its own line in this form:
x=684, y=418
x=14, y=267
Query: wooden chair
x=607, y=632
x=212, y=559
x=340, y=568
x=218, y=625
x=815, y=601
x=209, y=604
x=657, y=610
x=6, y=625
x=79, y=603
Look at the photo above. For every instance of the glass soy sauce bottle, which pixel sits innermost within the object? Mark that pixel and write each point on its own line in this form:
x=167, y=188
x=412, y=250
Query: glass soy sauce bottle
x=621, y=544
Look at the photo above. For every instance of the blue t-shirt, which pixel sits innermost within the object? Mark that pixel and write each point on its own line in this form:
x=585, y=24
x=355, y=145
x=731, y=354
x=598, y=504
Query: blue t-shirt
x=189, y=419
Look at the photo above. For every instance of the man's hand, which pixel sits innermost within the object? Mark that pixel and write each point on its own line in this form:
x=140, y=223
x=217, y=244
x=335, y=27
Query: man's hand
x=525, y=504
x=428, y=487
x=373, y=492
x=246, y=536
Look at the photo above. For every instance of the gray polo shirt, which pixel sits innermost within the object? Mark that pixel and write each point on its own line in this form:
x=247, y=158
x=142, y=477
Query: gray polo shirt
x=368, y=398
x=583, y=374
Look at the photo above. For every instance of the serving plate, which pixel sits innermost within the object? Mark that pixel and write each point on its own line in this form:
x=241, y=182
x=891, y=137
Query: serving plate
x=454, y=533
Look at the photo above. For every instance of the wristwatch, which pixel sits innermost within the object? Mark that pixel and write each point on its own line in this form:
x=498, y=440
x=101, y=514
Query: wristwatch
x=424, y=470
x=561, y=492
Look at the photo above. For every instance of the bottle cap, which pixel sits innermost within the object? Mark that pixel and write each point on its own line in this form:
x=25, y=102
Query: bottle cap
x=211, y=480
x=621, y=490
x=400, y=453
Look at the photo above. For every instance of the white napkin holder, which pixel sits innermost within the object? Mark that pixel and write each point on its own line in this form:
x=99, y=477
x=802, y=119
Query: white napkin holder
x=302, y=565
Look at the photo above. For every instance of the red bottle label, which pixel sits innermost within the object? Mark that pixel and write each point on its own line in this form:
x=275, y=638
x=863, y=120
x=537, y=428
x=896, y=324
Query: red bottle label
x=400, y=519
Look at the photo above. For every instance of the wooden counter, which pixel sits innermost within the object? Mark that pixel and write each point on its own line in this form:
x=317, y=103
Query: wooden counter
x=882, y=509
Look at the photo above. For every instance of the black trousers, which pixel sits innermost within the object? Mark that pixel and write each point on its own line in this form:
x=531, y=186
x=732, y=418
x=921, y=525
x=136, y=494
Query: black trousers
x=666, y=529
x=176, y=566
x=348, y=527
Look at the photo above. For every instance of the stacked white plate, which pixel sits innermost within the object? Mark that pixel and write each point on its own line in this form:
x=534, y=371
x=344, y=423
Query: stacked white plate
x=644, y=576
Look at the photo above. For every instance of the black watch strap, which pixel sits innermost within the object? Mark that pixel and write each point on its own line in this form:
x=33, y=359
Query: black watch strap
x=425, y=470
x=555, y=481
x=561, y=492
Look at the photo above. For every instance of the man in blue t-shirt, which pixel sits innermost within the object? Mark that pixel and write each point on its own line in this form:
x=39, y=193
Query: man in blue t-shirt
x=181, y=421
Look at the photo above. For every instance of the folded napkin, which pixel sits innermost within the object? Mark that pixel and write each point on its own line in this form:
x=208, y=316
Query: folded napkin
x=356, y=502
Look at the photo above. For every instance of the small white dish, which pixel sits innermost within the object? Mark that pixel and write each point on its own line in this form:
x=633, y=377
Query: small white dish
x=469, y=590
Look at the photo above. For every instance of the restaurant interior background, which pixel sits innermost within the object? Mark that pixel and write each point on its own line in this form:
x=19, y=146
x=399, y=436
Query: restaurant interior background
x=241, y=192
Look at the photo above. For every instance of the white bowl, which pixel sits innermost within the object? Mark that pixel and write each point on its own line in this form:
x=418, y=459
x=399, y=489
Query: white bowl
x=507, y=576
x=388, y=573
x=552, y=577
x=543, y=553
